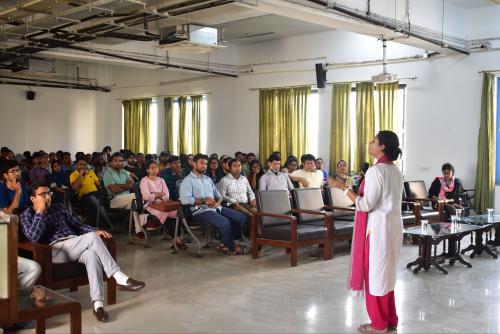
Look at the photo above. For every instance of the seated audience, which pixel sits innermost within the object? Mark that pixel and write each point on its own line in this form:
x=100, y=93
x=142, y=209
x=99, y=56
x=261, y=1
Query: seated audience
x=245, y=166
x=255, y=174
x=131, y=166
x=172, y=175
x=214, y=172
x=204, y=201
x=14, y=197
x=3, y=153
x=236, y=191
x=274, y=179
x=341, y=174
x=67, y=163
x=118, y=184
x=72, y=241
x=309, y=176
x=58, y=182
x=140, y=170
x=291, y=165
x=38, y=173
x=156, y=197
x=320, y=166
x=224, y=166
x=163, y=161
x=447, y=187
x=87, y=186
x=189, y=166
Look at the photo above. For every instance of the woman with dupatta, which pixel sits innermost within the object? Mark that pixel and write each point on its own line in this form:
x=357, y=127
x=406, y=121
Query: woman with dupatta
x=378, y=233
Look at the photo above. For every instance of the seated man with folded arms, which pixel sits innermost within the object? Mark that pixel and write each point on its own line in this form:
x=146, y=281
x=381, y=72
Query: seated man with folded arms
x=118, y=183
x=274, y=179
x=309, y=176
x=236, y=190
x=72, y=241
x=204, y=200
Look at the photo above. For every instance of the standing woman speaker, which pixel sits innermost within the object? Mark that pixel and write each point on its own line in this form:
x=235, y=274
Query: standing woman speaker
x=378, y=233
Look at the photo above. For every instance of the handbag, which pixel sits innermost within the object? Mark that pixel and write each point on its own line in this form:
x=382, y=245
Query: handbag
x=165, y=206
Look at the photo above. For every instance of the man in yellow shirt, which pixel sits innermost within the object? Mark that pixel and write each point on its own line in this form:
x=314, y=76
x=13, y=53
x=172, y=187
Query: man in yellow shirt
x=309, y=176
x=87, y=185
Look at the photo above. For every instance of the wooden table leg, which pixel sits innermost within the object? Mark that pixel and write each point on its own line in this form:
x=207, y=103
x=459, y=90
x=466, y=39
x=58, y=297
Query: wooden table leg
x=40, y=326
x=76, y=319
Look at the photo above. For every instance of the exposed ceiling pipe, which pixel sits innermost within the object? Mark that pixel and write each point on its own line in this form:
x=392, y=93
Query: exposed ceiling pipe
x=109, y=54
x=62, y=85
x=386, y=25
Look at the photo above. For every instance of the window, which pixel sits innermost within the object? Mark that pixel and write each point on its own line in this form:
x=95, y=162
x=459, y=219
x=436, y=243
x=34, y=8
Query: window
x=313, y=123
x=497, y=164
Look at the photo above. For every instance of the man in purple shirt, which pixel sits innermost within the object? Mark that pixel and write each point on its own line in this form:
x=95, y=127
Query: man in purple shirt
x=72, y=241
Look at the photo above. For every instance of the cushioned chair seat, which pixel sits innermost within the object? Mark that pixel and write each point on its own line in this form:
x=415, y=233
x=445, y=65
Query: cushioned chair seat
x=339, y=227
x=62, y=271
x=429, y=214
x=304, y=232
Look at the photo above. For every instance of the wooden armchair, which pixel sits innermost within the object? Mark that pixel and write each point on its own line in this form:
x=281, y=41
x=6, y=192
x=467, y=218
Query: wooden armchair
x=279, y=228
x=417, y=192
x=58, y=276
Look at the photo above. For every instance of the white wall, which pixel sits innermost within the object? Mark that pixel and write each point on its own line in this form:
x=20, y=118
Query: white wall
x=442, y=104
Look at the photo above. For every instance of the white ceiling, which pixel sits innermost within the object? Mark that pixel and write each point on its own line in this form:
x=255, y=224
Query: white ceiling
x=470, y=4
x=266, y=27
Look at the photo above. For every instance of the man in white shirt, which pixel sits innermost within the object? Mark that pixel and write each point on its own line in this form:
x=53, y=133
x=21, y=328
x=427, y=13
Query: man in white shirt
x=309, y=176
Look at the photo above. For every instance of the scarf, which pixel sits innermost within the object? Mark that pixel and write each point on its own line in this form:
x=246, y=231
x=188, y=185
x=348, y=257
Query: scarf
x=357, y=277
x=444, y=187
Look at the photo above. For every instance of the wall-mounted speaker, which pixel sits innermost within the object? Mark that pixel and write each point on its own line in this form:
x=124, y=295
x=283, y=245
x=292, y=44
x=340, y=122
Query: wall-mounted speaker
x=320, y=75
x=30, y=95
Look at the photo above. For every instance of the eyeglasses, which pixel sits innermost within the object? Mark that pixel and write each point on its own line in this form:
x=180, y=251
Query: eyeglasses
x=45, y=194
x=341, y=165
x=14, y=171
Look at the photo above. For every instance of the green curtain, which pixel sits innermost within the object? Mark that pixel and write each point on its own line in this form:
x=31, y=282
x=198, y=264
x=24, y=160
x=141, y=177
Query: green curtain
x=387, y=106
x=485, y=172
x=136, y=124
x=340, y=125
x=195, y=123
x=283, y=121
x=365, y=123
x=182, y=139
x=169, y=125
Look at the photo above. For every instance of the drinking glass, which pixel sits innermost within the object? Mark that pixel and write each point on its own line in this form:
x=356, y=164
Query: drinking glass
x=490, y=214
x=424, y=225
x=459, y=213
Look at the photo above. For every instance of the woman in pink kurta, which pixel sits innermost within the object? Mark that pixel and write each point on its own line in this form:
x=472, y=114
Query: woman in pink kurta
x=154, y=190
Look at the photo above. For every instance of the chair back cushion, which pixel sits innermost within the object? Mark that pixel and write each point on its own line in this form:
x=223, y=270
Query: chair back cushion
x=415, y=189
x=276, y=202
x=338, y=198
x=308, y=199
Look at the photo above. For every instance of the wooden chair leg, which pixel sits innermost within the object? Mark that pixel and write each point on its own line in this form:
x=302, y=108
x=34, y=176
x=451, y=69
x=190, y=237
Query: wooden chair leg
x=111, y=291
x=326, y=251
x=255, y=250
x=293, y=257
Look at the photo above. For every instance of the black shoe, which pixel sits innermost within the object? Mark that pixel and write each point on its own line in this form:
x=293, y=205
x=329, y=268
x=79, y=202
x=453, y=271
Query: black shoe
x=101, y=314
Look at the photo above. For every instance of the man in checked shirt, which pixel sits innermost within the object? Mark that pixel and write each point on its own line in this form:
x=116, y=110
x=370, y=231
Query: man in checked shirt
x=72, y=241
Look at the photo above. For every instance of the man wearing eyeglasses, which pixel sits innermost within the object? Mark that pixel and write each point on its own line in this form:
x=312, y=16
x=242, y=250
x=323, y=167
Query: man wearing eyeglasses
x=73, y=241
x=14, y=196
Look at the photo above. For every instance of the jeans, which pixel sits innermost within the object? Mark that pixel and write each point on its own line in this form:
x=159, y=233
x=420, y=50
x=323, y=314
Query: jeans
x=228, y=221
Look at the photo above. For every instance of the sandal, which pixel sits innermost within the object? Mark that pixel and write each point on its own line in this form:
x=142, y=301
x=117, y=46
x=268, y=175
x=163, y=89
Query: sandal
x=224, y=249
x=241, y=250
x=367, y=328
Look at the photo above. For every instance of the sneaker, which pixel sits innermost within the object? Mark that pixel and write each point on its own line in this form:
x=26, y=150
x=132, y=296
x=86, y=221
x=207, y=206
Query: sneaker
x=140, y=236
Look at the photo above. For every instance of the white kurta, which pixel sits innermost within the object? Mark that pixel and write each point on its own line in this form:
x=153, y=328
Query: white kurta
x=382, y=199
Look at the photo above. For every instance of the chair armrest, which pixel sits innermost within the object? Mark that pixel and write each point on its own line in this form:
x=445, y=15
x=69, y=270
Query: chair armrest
x=111, y=246
x=273, y=215
x=42, y=254
x=313, y=212
x=332, y=207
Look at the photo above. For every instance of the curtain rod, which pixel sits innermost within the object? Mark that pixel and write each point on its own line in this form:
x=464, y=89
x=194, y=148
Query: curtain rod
x=150, y=97
x=327, y=83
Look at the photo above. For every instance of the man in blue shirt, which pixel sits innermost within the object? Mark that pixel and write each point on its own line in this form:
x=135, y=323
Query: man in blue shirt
x=204, y=200
x=14, y=196
x=73, y=241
